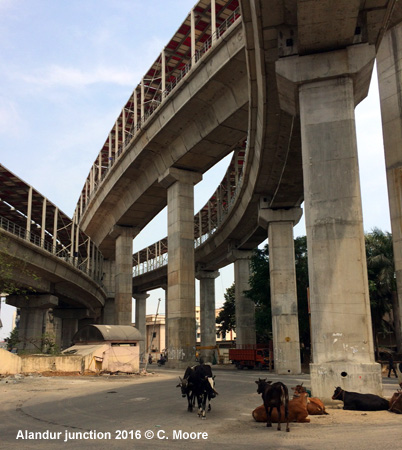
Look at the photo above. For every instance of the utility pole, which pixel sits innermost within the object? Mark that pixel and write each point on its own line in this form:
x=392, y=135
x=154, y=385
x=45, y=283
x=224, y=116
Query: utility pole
x=152, y=335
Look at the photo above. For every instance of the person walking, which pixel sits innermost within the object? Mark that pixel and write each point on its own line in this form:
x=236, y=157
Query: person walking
x=391, y=367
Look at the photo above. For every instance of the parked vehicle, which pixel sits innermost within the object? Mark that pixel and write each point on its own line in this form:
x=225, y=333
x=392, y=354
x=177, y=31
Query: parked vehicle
x=260, y=358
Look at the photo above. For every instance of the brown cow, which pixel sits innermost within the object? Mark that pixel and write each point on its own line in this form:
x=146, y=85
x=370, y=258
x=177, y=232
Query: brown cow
x=315, y=406
x=395, y=404
x=297, y=411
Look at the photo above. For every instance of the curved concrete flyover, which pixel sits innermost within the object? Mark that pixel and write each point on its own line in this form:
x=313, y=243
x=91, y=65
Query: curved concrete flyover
x=54, y=296
x=47, y=273
x=195, y=127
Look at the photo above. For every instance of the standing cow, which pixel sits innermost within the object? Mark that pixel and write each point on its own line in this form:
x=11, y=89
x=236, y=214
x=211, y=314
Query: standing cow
x=186, y=387
x=354, y=401
x=274, y=396
x=297, y=411
x=198, y=383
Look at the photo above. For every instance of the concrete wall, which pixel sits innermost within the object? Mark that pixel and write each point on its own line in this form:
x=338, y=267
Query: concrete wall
x=9, y=363
x=48, y=363
x=114, y=359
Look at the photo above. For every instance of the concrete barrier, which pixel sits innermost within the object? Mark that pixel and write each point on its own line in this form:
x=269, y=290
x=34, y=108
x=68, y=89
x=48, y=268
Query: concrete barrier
x=49, y=363
x=10, y=364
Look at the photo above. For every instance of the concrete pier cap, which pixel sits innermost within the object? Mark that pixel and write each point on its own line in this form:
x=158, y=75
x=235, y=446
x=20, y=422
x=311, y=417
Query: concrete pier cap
x=267, y=216
x=174, y=174
x=355, y=62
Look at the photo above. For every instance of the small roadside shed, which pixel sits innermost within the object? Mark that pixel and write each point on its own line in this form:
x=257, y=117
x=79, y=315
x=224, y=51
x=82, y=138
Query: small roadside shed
x=111, y=348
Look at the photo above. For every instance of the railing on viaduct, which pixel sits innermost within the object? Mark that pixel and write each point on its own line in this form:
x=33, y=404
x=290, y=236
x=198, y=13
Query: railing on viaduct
x=90, y=261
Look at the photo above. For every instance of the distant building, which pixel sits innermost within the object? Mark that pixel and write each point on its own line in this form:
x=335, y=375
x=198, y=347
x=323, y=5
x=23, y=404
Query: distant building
x=156, y=334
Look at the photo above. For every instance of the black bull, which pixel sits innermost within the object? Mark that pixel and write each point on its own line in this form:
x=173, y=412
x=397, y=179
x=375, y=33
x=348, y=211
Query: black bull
x=198, y=383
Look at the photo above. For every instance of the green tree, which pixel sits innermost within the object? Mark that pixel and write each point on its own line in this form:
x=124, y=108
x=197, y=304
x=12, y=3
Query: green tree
x=260, y=293
x=13, y=339
x=227, y=316
x=302, y=281
x=381, y=276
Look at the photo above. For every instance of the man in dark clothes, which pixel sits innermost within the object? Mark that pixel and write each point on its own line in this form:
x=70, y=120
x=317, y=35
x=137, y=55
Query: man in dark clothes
x=391, y=367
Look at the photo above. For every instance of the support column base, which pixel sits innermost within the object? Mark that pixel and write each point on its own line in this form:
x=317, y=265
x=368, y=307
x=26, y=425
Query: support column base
x=355, y=377
x=181, y=365
x=207, y=356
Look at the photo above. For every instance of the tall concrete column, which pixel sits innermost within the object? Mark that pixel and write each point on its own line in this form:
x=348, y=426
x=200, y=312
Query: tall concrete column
x=70, y=318
x=140, y=321
x=328, y=86
x=282, y=271
x=244, y=307
x=34, y=311
x=109, y=285
x=207, y=313
x=389, y=66
x=53, y=327
x=124, y=274
x=181, y=272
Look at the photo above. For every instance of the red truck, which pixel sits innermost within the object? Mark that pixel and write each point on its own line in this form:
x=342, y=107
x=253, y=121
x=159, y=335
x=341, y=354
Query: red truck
x=260, y=358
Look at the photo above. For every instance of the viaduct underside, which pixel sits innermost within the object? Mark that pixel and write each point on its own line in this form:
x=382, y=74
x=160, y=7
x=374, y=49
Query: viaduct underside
x=280, y=82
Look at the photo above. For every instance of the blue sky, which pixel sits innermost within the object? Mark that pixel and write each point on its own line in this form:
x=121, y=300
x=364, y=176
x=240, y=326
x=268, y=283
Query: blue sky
x=66, y=70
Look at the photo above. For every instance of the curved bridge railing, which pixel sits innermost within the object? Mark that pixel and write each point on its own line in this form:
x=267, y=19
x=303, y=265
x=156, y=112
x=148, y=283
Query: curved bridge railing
x=82, y=261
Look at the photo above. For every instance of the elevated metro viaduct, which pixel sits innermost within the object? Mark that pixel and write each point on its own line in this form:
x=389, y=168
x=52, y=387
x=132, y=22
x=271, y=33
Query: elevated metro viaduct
x=52, y=269
x=286, y=76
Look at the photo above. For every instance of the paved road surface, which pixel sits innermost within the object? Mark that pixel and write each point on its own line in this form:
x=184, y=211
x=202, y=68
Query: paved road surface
x=123, y=412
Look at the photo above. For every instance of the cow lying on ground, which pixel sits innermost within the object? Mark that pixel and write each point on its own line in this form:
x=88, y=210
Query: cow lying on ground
x=395, y=404
x=360, y=402
x=315, y=407
x=198, y=383
x=297, y=411
x=274, y=395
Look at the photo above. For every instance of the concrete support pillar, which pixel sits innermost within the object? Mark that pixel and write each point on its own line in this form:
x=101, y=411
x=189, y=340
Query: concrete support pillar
x=389, y=64
x=328, y=86
x=181, y=279
x=34, y=312
x=245, y=307
x=207, y=313
x=108, y=272
x=53, y=327
x=124, y=274
x=108, y=312
x=140, y=320
x=282, y=270
x=70, y=318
